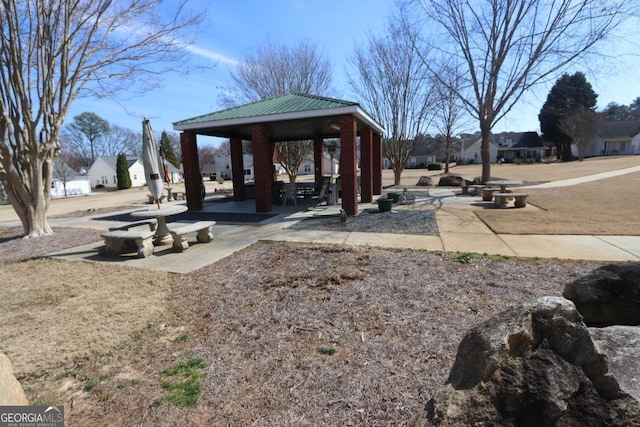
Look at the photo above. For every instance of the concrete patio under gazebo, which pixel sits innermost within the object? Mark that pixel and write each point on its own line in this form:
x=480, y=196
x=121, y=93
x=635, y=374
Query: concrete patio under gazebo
x=291, y=117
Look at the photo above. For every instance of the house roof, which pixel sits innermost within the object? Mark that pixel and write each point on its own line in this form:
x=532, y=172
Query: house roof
x=294, y=116
x=619, y=129
x=529, y=140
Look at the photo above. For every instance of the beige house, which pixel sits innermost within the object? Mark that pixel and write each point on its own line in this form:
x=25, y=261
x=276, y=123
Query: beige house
x=614, y=139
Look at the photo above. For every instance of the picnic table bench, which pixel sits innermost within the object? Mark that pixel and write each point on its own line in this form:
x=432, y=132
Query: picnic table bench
x=180, y=232
x=178, y=195
x=487, y=193
x=501, y=199
x=117, y=242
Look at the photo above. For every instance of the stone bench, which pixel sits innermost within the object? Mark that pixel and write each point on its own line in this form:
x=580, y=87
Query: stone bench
x=502, y=198
x=117, y=242
x=151, y=222
x=487, y=193
x=178, y=195
x=179, y=233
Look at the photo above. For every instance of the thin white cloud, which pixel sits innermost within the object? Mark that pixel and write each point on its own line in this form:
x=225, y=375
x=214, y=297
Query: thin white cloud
x=209, y=54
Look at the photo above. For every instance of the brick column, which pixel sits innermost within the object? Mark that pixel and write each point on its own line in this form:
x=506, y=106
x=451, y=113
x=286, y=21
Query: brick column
x=318, y=157
x=263, y=166
x=376, y=163
x=348, y=165
x=366, y=182
x=237, y=170
x=192, y=177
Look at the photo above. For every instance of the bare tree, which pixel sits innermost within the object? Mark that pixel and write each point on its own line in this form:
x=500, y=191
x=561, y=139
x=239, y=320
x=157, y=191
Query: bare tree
x=273, y=70
x=509, y=46
x=52, y=52
x=291, y=154
x=581, y=125
x=449, y=109
x=396, y=88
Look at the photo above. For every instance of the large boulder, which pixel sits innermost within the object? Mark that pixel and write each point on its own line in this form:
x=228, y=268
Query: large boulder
x=451, y=181
x=425, y=181
x=609, y=295
x=536, y=364
x=11, y=392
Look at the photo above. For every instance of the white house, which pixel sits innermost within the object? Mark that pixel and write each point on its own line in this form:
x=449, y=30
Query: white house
x=103, y=172
x=614, y=139
x=307, y=165
x=67, y=182
x=471, y=154
x=224, y=170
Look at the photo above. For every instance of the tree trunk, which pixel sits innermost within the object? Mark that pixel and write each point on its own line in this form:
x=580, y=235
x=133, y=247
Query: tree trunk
x=485, y=153
x=397, y=173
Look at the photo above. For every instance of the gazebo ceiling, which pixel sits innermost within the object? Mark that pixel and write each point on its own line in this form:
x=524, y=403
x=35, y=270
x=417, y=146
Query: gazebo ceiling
x=290, y=117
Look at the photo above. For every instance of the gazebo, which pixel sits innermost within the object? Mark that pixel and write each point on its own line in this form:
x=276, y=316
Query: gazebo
x=291, y=117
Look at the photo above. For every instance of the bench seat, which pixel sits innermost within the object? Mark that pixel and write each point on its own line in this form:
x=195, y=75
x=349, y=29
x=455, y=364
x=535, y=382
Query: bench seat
x=501, y=199
x=179, y=233
x=122, y=241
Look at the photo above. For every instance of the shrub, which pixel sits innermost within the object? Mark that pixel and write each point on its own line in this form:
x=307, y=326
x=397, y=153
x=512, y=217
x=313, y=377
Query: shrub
x=434, y=166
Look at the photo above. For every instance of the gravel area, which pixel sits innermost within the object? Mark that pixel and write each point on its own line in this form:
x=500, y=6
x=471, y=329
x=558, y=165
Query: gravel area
x=416, y=222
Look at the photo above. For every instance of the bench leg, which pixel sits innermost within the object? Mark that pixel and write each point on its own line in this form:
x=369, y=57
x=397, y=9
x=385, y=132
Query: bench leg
x=145, y=247
x=180, y=242
x=520, y=202
x=487, y=195
x=501, y=201
x=113, y=247
x=205, y=235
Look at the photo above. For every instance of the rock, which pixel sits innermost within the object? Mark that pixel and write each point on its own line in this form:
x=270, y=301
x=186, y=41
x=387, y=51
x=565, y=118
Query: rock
x=621, y=344
x=11, y=392
x=609, y=295
x=425, y=181
x=451, y=181
x=535, y=364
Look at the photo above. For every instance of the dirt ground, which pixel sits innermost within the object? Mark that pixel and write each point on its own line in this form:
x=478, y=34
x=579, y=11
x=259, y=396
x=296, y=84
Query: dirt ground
x=290, y=335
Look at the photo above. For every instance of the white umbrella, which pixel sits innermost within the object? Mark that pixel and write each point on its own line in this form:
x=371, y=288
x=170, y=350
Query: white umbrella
x=150, y=160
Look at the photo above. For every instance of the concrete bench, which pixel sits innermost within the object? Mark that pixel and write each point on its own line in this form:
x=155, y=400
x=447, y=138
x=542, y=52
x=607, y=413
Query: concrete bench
x=179, y=233
x=151, y=222
x=117, y=242
x=502, y=198
x=487, y=193
x=178, y=195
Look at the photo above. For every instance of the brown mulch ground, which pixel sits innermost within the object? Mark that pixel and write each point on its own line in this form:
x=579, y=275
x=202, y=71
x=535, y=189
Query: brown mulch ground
x=97, y=338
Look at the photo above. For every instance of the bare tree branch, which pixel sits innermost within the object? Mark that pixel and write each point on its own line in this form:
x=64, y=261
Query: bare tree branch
x=52, y=52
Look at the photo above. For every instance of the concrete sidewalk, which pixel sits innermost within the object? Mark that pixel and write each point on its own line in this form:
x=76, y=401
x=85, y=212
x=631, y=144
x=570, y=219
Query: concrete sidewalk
x=460, y=230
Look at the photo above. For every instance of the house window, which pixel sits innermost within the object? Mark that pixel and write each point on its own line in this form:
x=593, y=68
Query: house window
x=115, y=179
x=247, y=172
x=135, y=177
x=307, y=168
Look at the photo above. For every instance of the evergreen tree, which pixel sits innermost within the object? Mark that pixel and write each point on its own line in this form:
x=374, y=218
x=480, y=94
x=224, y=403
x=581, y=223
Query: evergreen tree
x=166, y=148
x=569, y=94
x=122, y=171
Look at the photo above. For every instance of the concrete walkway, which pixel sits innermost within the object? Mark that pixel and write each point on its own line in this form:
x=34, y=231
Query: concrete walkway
x=460, y=230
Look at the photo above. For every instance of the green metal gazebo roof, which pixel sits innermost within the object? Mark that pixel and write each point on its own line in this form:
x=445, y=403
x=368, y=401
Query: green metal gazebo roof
x=293, y=116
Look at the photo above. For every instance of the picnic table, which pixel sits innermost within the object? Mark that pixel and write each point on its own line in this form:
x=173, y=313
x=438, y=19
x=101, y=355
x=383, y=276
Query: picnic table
x=162, y=234
x=504, y=184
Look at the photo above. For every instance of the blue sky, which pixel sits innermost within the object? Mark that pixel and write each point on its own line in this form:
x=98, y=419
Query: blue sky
x=335, y=26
